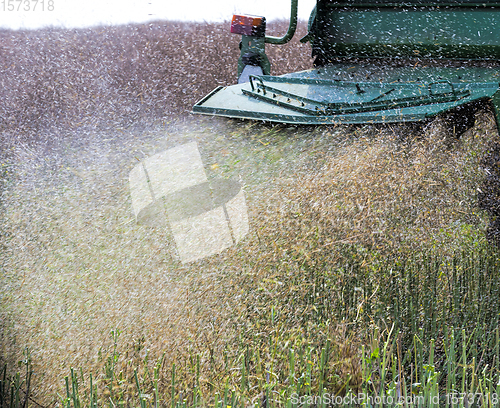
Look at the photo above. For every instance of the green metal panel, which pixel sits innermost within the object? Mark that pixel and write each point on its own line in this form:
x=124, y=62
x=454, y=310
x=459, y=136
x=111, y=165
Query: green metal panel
x=465, y=30
x=378, y=61
x=353, y=93
x=409, y=3
x=254, y=45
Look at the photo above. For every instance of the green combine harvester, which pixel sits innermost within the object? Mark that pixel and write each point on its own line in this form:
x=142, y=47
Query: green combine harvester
x=376, y=61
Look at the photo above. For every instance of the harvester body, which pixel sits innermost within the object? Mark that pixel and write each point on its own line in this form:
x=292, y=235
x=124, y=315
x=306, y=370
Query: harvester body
x=376, y=61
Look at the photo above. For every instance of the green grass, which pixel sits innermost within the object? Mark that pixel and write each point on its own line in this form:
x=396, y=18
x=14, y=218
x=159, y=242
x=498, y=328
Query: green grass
x=301, y=279
x=366, y=269
x=389, y=377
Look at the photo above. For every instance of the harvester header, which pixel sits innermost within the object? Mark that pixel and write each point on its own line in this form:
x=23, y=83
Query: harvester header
x=376, y=61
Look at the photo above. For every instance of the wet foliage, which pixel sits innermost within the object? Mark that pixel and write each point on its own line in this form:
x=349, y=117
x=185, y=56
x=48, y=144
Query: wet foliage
x=354, y=230
x=116, y=77
x=489, y=193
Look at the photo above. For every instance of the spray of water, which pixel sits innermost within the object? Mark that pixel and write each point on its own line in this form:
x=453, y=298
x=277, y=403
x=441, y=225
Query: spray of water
x=76, y=265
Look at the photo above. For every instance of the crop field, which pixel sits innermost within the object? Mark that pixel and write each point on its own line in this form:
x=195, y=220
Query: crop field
x=366, y=269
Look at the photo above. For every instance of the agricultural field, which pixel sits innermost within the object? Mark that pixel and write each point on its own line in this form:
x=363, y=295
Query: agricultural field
x=366, y=269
